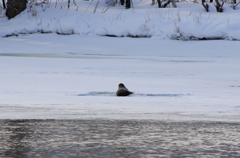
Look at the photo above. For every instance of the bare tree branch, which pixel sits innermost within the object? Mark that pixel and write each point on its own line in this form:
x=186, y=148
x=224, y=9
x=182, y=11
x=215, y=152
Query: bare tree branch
x=128, y=4
x=4, y=4
x=174, y=3
x=219, y=6
x=205, y=5
x=69, y=3
x=235, y=6
x=165, y=3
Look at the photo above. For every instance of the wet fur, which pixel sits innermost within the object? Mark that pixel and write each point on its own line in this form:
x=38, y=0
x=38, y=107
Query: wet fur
x=122, y=90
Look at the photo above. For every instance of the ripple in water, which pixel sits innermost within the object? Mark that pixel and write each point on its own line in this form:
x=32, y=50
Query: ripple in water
x=118, y=138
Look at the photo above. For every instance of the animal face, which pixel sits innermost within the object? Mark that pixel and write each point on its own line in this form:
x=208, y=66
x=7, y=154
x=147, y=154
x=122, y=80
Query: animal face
x=121, y=85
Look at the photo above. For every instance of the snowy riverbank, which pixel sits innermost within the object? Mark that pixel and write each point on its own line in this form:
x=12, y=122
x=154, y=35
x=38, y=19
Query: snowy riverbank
x=188, y=21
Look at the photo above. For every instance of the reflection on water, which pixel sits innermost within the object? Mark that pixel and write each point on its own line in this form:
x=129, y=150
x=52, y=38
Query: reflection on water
x=118, y=138
x=13, y=138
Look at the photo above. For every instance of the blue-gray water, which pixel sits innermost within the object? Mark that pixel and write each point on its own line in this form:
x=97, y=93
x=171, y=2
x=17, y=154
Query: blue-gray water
x=118, y=138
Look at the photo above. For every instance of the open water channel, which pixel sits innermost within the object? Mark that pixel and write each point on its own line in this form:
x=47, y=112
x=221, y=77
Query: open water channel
x=118, y=138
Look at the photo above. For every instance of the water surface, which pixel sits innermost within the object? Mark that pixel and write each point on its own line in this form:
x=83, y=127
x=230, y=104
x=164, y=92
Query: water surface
x=118, y=138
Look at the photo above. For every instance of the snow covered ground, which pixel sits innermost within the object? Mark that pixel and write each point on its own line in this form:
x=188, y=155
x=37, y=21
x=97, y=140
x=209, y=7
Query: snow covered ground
x=52, y=76
x=188, y=21
x=47, y=76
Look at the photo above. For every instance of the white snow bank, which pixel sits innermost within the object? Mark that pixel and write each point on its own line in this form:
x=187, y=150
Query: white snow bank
x=188, y=21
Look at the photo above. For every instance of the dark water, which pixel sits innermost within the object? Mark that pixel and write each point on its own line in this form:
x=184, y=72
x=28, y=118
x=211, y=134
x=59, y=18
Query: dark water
x=118, y=138
x=94, y=93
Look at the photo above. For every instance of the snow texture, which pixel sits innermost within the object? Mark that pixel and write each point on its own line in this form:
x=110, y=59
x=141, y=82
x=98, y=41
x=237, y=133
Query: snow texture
x=189, y=21
x=52, y=76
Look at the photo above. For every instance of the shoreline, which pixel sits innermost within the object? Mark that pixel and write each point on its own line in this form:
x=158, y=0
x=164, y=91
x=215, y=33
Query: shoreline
x=158, y=117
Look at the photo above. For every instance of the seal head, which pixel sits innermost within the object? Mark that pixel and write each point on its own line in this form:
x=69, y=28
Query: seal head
x=122, y=90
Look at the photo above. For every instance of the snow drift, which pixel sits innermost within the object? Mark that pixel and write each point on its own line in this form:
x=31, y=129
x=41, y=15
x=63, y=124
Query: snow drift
x=189, y=21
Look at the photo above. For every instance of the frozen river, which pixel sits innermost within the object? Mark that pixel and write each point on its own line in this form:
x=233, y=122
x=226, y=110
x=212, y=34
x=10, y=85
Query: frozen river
x=57, y=93
x=71, y=77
